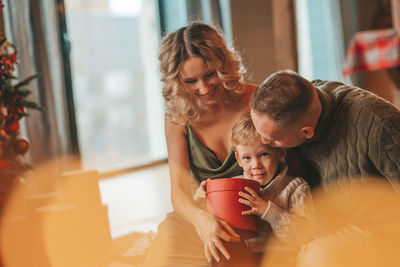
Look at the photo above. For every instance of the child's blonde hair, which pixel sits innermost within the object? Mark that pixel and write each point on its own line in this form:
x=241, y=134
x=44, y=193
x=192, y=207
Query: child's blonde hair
x=244, y=132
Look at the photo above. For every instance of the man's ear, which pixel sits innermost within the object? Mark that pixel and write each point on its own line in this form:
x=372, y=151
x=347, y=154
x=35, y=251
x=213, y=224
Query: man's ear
x=238, y=159
x=307, y=132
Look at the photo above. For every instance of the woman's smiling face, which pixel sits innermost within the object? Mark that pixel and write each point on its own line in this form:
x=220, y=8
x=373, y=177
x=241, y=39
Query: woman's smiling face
x=201, y=81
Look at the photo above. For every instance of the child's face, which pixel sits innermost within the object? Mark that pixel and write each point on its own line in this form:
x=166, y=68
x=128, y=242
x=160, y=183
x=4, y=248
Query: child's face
x=259, y=161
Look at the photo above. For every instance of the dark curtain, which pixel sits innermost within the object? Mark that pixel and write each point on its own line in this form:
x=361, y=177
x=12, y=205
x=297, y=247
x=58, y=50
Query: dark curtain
x=208, y=11
x=176, y=13
x=32, y=26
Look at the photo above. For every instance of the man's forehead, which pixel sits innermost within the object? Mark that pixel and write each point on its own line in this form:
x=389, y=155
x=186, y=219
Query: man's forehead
x=263, y=120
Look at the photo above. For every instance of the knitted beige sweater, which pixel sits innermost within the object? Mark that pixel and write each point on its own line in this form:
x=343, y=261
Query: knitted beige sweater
x=287, y=196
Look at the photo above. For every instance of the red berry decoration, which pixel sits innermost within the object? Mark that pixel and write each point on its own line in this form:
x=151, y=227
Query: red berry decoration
x=4, y=165
x=13, y=108
x=12, y=128
x=20, y=146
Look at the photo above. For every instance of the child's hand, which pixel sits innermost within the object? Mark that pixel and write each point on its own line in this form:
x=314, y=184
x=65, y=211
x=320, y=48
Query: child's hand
x=200, y=191
x=255, y=202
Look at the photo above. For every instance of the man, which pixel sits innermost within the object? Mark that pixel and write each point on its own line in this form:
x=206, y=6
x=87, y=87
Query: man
x=341, y=130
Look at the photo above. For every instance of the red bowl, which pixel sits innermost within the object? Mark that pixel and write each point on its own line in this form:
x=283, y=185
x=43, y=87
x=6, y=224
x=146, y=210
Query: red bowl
x=223, y=201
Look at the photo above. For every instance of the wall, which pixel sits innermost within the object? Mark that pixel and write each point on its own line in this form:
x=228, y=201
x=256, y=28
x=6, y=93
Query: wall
x=258, y=36
x=252, y=32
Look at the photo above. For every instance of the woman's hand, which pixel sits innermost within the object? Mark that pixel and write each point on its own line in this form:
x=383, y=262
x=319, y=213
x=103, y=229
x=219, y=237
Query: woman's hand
x=254, y=201
x=211, y=231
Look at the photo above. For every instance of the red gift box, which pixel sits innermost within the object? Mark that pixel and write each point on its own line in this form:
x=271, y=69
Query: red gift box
x=223, y=201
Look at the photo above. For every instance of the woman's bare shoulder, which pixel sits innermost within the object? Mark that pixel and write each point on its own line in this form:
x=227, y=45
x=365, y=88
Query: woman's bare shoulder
x=173, y=127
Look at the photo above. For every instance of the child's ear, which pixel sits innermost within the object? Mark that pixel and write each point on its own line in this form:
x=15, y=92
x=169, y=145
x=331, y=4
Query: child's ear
x=238, y=159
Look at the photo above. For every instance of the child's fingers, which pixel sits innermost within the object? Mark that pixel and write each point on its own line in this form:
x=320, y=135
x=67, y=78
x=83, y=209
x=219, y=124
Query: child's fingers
x=245, y=195
x=248, y=212
x=249, y=197
x=246, y=202
x=251, y=191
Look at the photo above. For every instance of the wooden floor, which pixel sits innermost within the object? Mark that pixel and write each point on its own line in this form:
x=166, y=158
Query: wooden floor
x=65, y=221
x=138, y=201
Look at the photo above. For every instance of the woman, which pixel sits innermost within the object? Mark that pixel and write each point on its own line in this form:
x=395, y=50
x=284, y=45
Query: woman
x=204, y=98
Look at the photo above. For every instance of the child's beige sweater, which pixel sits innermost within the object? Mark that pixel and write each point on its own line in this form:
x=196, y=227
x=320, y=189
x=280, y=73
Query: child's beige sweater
x=287, y=196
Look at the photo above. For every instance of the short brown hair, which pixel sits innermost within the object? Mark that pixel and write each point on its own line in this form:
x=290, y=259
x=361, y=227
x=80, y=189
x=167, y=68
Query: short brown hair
x=284, y=96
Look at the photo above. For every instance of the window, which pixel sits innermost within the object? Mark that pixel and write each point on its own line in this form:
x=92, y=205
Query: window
x=320, y=39
x=117, y=92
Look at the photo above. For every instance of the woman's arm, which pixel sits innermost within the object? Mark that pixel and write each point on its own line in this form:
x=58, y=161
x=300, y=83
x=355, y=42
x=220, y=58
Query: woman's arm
x=208, y=228
x=179, y=171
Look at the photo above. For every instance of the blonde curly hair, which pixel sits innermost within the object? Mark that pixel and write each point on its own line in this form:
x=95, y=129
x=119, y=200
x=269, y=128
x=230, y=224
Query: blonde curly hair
x=199, y=40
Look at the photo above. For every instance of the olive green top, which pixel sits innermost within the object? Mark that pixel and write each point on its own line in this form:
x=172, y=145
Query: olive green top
x=204, y=164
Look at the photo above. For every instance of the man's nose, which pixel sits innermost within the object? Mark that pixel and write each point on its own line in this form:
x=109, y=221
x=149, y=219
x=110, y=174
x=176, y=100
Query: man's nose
x=265, y=141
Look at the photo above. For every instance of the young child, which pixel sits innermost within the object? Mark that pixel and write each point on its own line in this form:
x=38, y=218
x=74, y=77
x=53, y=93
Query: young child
x=280, y=193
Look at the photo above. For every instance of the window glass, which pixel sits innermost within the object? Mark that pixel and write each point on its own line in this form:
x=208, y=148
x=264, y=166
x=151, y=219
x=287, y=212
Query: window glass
x=116, y=82
x=320, y=39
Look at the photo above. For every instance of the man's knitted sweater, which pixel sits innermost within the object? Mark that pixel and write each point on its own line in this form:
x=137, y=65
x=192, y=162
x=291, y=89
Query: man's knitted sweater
x=358, y=134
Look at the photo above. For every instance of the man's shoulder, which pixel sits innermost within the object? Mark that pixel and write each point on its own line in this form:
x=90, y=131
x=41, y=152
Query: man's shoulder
x=356, y=99
x=333, y=87
x=341, y=92
x=324, y=83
